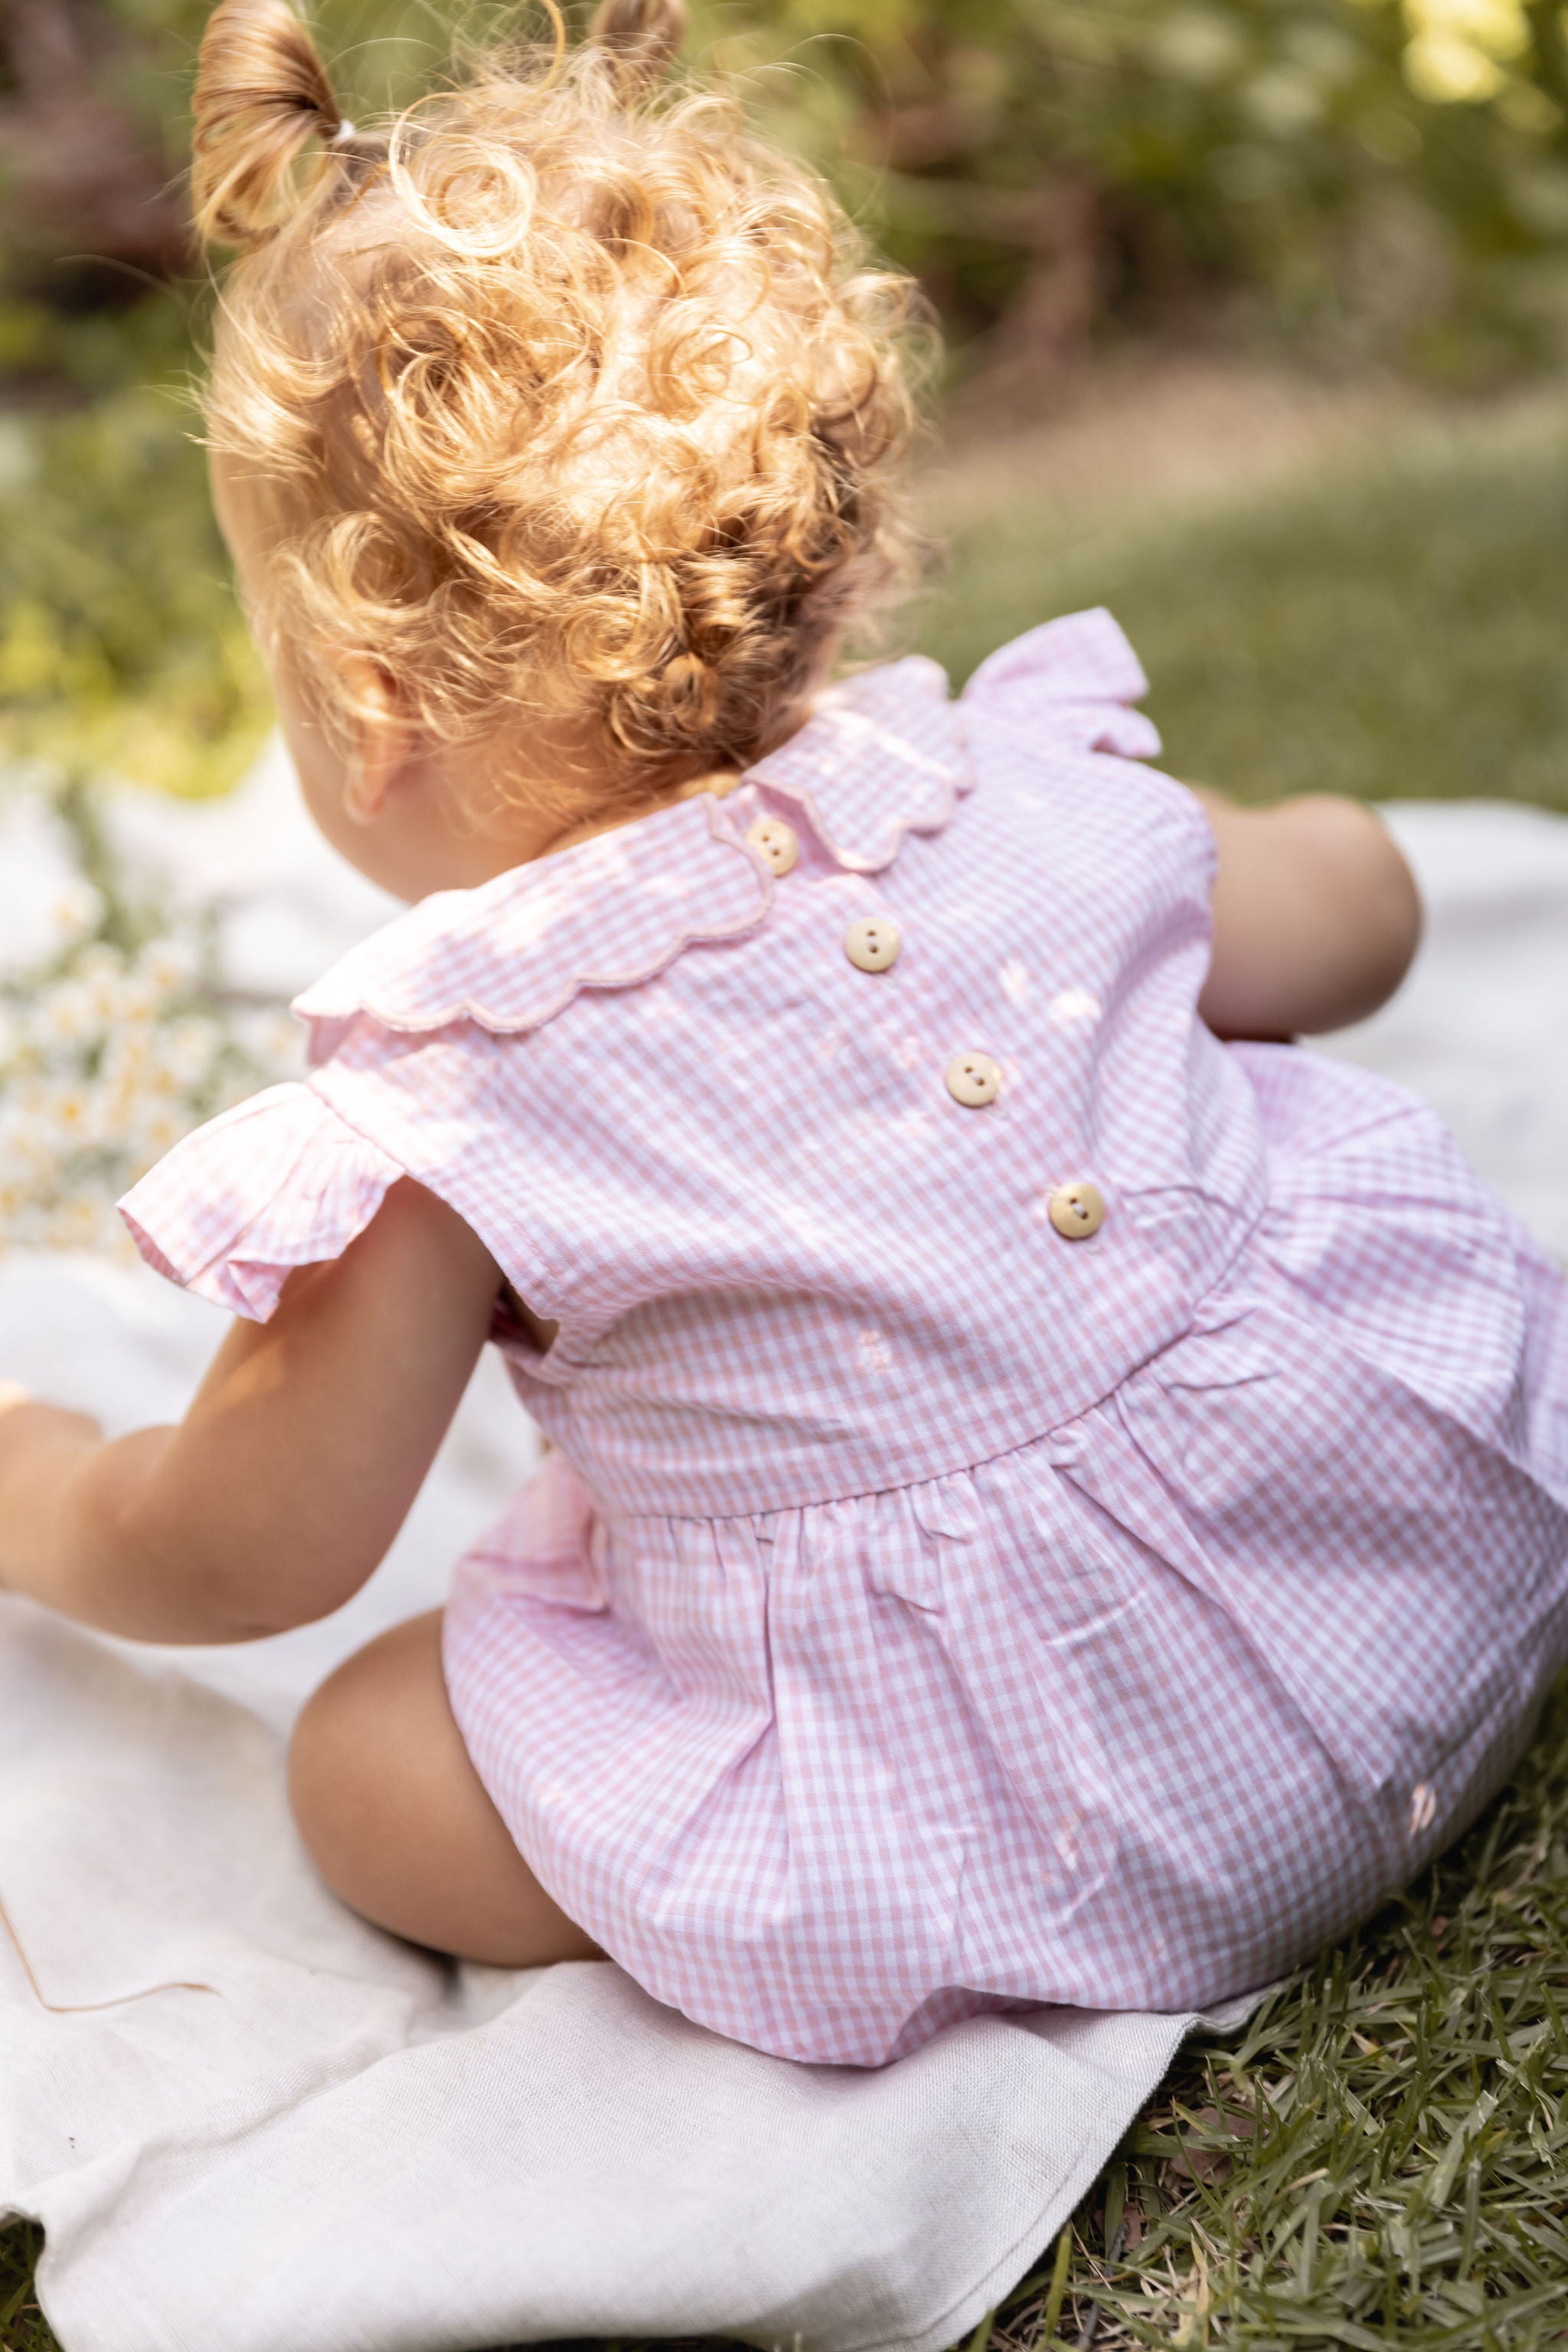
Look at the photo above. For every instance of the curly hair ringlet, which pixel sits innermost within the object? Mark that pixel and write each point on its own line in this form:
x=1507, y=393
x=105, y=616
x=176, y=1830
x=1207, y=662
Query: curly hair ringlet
x=567, y=395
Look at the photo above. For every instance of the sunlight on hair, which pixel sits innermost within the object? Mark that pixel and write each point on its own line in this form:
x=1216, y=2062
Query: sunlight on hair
x=566, y=396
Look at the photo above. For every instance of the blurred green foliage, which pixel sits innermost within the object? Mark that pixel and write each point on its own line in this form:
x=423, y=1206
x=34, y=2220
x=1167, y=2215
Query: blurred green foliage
x=122, y=648
x=1391, y=175
x=100, y=284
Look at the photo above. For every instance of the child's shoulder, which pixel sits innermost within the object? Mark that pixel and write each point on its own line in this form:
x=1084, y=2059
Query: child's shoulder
x=1005, y=833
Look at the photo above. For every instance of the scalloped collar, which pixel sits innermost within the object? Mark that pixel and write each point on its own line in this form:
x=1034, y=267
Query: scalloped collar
x=880, y=756
x=514, y=952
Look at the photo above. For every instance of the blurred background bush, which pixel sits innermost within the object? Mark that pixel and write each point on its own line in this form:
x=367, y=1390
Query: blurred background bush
x=1347, y=190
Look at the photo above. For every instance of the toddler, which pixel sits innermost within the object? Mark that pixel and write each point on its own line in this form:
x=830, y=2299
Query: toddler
x=1055, y=1495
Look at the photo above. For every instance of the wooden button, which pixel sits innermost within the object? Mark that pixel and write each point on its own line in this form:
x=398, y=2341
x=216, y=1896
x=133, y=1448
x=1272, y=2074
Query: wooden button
x=872, y=944
x=973, y=1079
x=1077, y=1209
x=774, y=841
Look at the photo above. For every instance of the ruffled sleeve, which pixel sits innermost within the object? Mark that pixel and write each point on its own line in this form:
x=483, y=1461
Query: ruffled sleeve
x=277, y=1183
x=1075, y=678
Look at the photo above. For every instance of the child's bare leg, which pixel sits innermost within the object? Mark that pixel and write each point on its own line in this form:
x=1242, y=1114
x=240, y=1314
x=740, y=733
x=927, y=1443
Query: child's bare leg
x=396, y=1819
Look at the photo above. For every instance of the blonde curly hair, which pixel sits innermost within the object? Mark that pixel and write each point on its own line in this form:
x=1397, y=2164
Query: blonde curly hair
x=568, y=395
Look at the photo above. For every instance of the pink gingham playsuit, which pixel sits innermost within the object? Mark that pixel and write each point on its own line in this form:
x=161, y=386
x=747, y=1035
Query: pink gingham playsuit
x=1045, y=1506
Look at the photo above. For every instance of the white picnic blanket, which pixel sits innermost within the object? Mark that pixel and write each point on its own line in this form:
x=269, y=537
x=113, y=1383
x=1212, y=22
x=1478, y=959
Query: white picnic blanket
x=250, y=2123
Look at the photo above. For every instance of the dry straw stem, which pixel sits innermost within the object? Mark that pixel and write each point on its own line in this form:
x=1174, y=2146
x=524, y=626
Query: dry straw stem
x=81, y=2007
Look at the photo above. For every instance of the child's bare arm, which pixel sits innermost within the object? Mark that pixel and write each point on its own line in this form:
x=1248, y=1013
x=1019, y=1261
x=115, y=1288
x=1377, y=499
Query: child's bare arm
x=1316, y=916
x=278, y=1494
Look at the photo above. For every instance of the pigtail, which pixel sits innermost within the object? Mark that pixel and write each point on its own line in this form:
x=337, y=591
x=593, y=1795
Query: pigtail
x=640, y=38
x=262, y=95
x=593, y=407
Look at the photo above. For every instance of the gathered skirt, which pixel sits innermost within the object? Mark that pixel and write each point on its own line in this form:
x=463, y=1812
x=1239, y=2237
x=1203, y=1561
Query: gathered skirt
x=1137, y=1714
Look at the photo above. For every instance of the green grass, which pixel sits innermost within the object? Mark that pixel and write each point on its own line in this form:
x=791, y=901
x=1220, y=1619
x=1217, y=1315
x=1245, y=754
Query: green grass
x=1379, y=2160
x=1392, y=625
x=22, y=2328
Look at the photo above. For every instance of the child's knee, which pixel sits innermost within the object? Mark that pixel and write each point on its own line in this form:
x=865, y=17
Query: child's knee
x=351, y=1753
x=323, y=1767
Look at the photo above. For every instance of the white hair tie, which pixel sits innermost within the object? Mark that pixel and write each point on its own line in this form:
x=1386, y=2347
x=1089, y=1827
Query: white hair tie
x=343, y=135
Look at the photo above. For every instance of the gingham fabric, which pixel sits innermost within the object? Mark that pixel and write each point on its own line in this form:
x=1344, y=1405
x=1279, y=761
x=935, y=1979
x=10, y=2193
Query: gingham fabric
x=921, y=1613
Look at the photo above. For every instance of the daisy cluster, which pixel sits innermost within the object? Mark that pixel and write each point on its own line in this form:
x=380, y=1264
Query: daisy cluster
x=116, y=1043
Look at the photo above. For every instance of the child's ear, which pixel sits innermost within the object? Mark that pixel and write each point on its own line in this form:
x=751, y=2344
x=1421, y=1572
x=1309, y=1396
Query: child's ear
x=384, y=741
